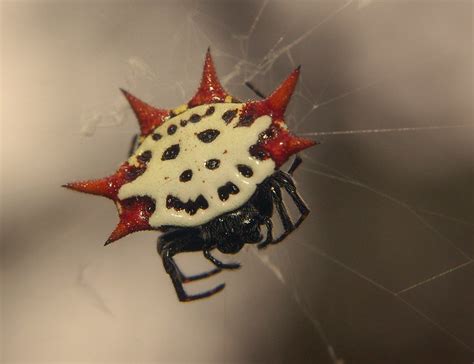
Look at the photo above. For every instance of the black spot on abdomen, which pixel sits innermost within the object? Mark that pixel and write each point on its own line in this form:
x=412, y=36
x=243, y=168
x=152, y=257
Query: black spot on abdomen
x=156, y=136
x=195, y=118
x=229, y=115
x=245, y=120
x=145, y=156
x=186, y=175
x=202, y=202
x=258, y=152
x=210, y=111
x=170, y=153
x=228, y=189
x=213, y=163
x=172, y=129
x=190, y=206
x=245, y=170
x=208, y=135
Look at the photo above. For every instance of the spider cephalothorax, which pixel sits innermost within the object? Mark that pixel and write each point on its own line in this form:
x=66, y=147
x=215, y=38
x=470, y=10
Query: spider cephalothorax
x=206, y=174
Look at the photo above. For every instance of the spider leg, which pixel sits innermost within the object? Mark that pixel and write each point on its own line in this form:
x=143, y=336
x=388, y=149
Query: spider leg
x=176, y=278
x=173, y=243
x=269, y=238
x=218, y=263
x=288, y=226
x=196, y=277
x=296, y=163
x=170, y=239
x=287, y=183
x=133, y=145
x=254, y=89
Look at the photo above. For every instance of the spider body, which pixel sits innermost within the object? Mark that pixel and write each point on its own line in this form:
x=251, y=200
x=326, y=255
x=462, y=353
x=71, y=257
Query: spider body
x=200, y=166
x=207, y=174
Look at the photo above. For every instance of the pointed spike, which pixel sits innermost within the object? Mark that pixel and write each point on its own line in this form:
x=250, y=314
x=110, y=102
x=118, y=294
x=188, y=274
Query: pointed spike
x=108, y=186
x=284, y=145
x=100, y=187
x=210, y=89
x=120, y=231
x=279, y=99
x=148, y=116
x=109, y=240
x=134, y=214
x=297, y=144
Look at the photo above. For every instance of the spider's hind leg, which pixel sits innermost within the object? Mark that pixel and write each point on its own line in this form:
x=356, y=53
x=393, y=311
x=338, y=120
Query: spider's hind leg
x=269, y=239
x=180, y=241
x=218, y=263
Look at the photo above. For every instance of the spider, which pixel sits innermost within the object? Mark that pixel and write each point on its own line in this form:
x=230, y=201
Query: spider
x=207, y=175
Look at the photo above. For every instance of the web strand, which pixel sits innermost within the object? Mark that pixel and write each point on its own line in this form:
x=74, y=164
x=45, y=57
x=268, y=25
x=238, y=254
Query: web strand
x=394, y=200
x=387, y=130
x=436, y=276
x=321, y=253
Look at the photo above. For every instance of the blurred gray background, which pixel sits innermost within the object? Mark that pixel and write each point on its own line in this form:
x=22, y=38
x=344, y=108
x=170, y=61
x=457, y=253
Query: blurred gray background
x=380, y=272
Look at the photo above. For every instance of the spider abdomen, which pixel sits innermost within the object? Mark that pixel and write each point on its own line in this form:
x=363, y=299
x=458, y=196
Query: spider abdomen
x=201, y=170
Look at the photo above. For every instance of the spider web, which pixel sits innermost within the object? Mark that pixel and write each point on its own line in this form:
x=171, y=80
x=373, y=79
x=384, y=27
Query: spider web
x=251, y=54
x=389, y=185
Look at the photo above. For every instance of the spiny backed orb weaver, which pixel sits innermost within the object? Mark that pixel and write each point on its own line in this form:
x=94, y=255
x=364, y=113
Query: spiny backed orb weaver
x=206, y=174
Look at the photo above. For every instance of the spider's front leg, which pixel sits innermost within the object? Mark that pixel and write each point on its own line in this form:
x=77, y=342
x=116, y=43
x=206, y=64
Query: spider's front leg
x=294, y=165
x=180, y=241
x=134, y=143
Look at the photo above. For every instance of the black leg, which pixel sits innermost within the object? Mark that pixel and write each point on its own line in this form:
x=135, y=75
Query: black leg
x=176, y=278
x=269, y=238
x=133, y=145
x=287, y=183
x=196, y=277
x=218, y=263
x=280, y=206
x=176, y=242
x=254, y=89
x=296, y=163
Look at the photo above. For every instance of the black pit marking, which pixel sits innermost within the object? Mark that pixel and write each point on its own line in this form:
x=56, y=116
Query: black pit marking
x=210, y=111
x=208, y=135
x=201, y=201
x=228, y=189
x=270, y=133
x=156, y=136
x=213, y=163
x=190, y=206
x=145, y=156
x=245, y=170
x=183, y=122
x=186, y=175
x=172, y=129
x=258, y=152
x=134, y=172
x=245, y=120
x=170, y=153
x=229, y=115
x=195, y=118
x=149, y=203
